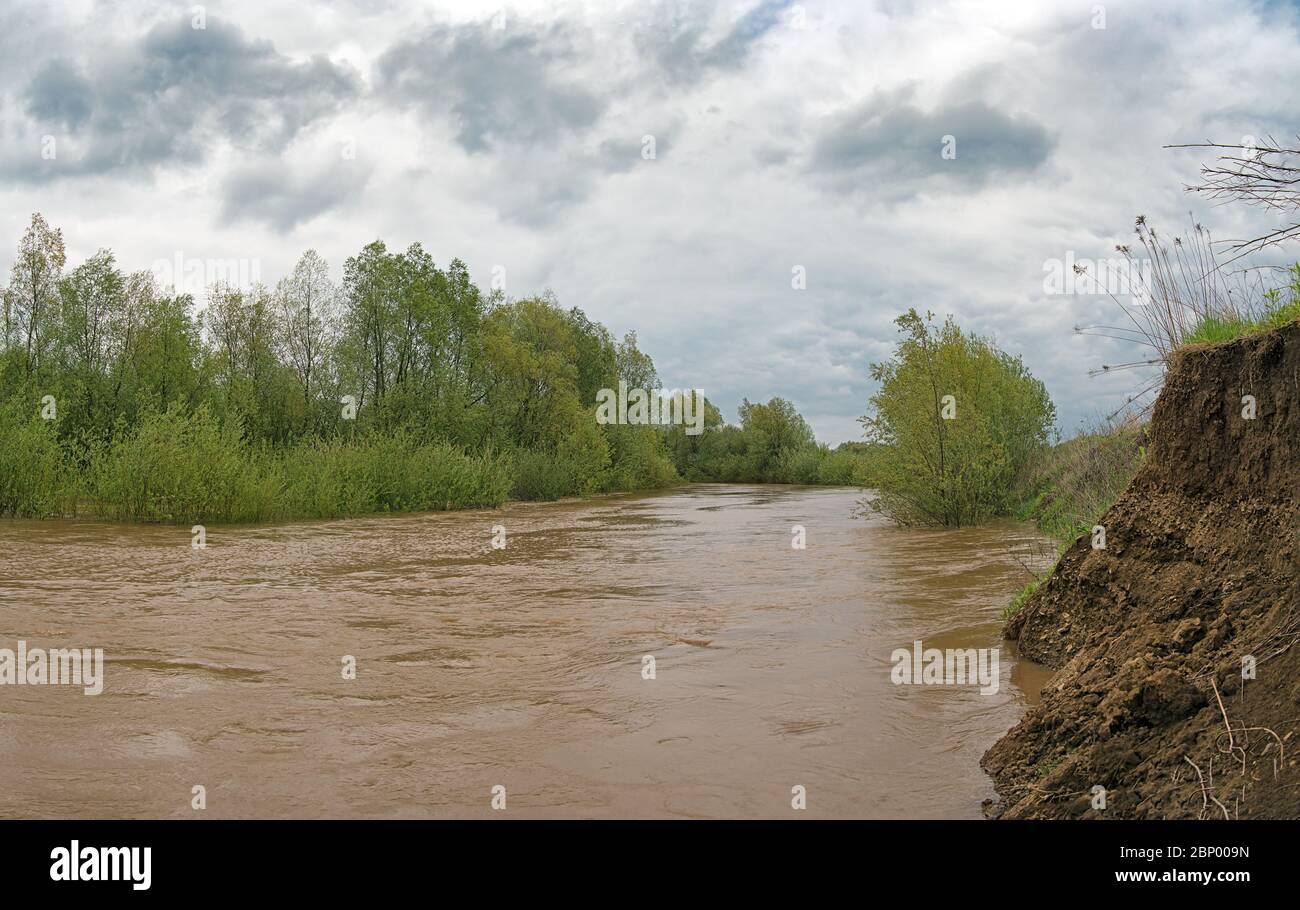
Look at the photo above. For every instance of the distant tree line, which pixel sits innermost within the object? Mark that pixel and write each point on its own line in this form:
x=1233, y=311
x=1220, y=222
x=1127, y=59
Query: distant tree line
x=404, y=387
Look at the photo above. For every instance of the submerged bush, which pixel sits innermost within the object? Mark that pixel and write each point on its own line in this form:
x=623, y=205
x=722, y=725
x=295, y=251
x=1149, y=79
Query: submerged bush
x=773, y=444
x=542, y=475
x=180, y=466
x=35, y=480
x=800, y=465
x=638, y=460
x=957, y=422
x=846, y=465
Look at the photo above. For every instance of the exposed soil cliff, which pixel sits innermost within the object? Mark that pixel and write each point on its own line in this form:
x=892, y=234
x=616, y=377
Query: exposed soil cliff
x=1201, y=568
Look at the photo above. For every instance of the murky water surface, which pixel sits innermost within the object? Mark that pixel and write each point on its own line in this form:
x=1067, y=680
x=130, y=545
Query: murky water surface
x=520, y=667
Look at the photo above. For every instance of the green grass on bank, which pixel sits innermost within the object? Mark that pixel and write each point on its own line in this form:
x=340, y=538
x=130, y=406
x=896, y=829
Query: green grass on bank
x=1215, y=330
x=1279, y=307
x=1073, y=484
x=1019, y=600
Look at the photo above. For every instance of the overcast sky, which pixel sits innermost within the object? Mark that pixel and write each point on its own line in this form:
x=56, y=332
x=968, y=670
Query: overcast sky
x=784, y=134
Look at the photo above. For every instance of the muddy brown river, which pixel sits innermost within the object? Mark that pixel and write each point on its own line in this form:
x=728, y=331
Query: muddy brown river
x=521, y=667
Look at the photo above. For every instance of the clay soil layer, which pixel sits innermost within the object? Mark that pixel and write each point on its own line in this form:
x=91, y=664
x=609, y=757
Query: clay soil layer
x=1199, y=572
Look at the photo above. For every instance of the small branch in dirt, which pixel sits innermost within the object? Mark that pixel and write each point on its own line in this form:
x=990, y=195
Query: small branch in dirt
x=1223, y=711
x=1232, y=748
x=1206, y=796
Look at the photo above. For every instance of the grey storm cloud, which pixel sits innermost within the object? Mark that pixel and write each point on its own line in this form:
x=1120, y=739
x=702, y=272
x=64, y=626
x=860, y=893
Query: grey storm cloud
x=618, y=156
x=508, y=86
x=541, y=200
x=676, y=40
x=898, y=146
x=284, y=196
x=518, y=97
x=547, y=183
x=167, y=97
x=59, y=93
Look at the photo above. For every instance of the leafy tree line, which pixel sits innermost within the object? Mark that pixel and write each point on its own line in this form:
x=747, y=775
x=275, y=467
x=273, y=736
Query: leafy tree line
x=772, y=444
x=404, y=387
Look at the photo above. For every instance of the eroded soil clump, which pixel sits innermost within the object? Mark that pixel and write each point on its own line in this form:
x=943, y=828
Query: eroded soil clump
x=1199, y=570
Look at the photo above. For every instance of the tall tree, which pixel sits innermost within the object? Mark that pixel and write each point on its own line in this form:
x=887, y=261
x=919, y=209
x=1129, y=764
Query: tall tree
x=369, y=281
x=307, y=309
x=31, y=300
x=92, y=296
x=635, y=368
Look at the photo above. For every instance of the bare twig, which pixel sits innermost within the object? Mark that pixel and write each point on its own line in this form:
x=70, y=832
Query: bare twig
x=1206, y=795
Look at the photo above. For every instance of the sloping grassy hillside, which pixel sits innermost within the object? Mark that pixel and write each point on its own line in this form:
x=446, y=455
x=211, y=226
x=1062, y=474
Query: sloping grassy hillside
x=1077, y=480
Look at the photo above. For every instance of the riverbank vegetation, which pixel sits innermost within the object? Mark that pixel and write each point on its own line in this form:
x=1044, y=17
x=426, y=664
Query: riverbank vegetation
x=407, y=387
x=1281, y=305
x=772, y=444
x=1182, y=293
x=1069, y=486
x=960, y=432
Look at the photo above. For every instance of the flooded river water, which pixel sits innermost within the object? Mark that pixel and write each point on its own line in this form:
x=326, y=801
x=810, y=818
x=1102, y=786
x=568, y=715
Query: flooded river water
x=521, y=667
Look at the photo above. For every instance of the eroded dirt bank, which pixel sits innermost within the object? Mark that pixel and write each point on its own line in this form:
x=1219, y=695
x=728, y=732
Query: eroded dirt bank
x=1199, y=570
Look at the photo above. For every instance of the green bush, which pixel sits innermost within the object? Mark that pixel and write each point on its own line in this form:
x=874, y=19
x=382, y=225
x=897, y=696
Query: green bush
x=449, y=478
x=637, y=459
x=958, y=422
x=389, y=473
x=847, y=465
x=35, y=480
x=179, y=466
x=542, y=475
x=799, y=465
x=330, y=478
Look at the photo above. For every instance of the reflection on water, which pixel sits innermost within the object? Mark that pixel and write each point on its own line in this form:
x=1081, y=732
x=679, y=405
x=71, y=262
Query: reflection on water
x=520, y=667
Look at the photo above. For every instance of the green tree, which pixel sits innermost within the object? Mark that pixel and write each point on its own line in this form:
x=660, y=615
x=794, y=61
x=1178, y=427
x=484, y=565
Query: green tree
x=465, y=396
x=635, y=367
x=306, y=309
x=32, y=299
x=370, y=281
x=775, y=434
x=158, y=350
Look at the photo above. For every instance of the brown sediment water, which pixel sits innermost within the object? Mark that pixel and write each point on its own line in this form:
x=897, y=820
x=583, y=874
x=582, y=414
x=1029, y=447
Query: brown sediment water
x=520, y=667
